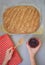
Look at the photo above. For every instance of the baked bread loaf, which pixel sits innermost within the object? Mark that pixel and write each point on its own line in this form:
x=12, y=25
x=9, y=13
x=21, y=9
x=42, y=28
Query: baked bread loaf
x=21, y=19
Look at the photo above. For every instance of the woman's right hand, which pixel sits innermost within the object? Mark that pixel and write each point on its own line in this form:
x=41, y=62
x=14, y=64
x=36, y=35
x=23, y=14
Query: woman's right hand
x=8, y=55
x=33, y=51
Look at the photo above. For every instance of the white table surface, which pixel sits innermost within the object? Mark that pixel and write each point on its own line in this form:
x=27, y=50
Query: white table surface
x=40, y=57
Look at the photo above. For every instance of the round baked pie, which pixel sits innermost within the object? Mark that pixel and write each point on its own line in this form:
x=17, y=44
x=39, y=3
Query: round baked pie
x=21, y=19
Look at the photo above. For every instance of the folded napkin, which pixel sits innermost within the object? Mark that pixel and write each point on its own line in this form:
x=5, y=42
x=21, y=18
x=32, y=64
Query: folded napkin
x=5, y=43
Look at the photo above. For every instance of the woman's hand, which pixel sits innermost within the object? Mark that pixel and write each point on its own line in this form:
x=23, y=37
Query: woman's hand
x=8, y=55
x=33, y=51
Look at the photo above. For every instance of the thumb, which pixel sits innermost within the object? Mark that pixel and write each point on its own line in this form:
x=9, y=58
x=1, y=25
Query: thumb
x=11, y=52
x=27, y=45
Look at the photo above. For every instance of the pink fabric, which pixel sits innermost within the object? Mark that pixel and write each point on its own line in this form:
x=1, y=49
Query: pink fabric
x=5, y=43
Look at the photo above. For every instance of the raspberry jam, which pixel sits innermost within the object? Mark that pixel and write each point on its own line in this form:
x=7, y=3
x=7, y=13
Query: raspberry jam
x=33, y=42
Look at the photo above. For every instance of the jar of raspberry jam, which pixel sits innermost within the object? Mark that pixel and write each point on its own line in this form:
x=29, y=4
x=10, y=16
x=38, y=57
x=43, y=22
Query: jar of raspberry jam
x=33, y=42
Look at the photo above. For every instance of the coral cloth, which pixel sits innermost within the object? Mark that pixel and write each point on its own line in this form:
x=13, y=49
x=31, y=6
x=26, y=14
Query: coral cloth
x=5, y=43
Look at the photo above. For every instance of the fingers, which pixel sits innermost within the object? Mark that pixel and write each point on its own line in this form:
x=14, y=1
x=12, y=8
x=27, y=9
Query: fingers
x=11, y=52
x=28, y=47
x=37, y=48
x=39, y=45
x=10, y=49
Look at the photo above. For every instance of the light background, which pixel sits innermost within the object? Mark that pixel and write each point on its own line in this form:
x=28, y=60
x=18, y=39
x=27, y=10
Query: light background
x=40, y=57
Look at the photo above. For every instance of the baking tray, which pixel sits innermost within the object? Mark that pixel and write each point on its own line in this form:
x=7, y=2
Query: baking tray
x=41, y=28
x=40, y=4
